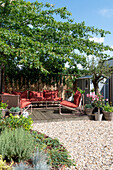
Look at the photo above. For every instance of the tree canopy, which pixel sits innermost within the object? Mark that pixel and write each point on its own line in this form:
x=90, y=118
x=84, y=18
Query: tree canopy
x=30, y=35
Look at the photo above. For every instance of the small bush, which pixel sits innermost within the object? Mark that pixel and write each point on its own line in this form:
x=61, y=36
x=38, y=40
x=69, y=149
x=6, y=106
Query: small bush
x=16, y=144
x=89, y=106
x=3, y=105
x=22, y=166
x=58, y=155
x=2, y=122
x=14, y=109
x=108, y=108
x=17, y=122
x=39, y=162
x=3, y=164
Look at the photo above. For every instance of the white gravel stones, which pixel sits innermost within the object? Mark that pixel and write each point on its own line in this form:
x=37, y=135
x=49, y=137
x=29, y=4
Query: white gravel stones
x=90, y=143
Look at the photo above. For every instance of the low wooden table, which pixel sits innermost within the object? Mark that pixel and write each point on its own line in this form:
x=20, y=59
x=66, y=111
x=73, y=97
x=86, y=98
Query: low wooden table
x=46, y=104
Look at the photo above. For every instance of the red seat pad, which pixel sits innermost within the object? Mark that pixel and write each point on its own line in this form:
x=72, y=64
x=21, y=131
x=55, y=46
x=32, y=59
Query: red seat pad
x=77, y=98
x=24, y=103
x=68, y=104
x=57, y=99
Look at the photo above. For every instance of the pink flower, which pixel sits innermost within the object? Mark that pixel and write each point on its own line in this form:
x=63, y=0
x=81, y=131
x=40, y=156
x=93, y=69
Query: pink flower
x=93, y=93
x=107, y=100
x=88, y=95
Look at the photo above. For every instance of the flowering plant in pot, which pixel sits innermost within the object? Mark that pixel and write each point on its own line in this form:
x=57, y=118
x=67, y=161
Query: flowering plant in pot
x=108, y=112
x=98, y=101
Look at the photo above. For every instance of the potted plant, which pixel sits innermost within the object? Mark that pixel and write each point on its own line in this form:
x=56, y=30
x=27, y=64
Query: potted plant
x=108, y=112
x=88, y=109
x=3, y=108
x=98, y=101
x=15, y=110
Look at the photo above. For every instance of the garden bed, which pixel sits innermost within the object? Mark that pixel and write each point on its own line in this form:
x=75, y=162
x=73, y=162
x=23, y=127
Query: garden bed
x=54, y=153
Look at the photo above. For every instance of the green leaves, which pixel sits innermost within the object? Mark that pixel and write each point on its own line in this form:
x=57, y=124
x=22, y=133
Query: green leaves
x=30, y=35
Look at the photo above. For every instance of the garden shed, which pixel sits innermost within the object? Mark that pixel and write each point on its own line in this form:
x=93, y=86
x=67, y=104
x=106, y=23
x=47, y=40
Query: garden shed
x=85, y=83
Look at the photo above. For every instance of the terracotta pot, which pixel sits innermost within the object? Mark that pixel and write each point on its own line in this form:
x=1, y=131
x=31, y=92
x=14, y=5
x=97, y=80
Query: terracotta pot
x=88, y=111
x=108, y=115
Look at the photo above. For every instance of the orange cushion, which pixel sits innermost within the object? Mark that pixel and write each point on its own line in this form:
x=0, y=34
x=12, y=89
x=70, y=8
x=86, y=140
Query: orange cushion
x=68, y=104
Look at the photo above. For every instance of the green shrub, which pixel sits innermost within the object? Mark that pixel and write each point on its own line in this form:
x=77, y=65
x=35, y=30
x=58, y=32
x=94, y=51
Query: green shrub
x=16, y=144
x=2, y=122
x=58, y=155
x=38, y=162
x=17, y=122
x=3, y=105
x=3, y=164
x=14, y=109
x=108, y=108
x=89, y=106
x=22, y=166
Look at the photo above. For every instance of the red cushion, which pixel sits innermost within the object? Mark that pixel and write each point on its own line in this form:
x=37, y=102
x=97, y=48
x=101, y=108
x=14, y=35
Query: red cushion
x=77, y=98
x=68, y=104
x=50, y=94
x=24, y=103
x=24, y=94
x=33, y=94
x=16, y=93
x=6, y=93
x=37, y=99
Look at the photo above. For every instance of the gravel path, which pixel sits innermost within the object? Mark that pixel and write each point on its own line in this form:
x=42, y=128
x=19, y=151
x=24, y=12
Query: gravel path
x=90, y=143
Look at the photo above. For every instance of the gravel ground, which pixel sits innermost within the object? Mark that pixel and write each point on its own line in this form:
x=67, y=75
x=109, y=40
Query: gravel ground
x=90, y=143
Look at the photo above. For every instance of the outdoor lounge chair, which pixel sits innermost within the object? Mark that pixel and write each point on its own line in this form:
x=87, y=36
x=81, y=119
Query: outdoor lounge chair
x=72, y=106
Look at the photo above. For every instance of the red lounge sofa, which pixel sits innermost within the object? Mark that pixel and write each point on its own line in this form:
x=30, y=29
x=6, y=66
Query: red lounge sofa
x=45, y=98
x=27, y=98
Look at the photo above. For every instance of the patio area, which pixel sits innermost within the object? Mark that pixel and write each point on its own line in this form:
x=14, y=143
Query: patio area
x=52, y=114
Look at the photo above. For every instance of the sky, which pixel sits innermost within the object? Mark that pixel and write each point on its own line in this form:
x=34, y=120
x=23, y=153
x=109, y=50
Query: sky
x=97, y=13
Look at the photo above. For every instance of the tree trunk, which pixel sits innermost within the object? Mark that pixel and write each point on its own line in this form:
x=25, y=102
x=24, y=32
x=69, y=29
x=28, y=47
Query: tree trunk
x=96, y=87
